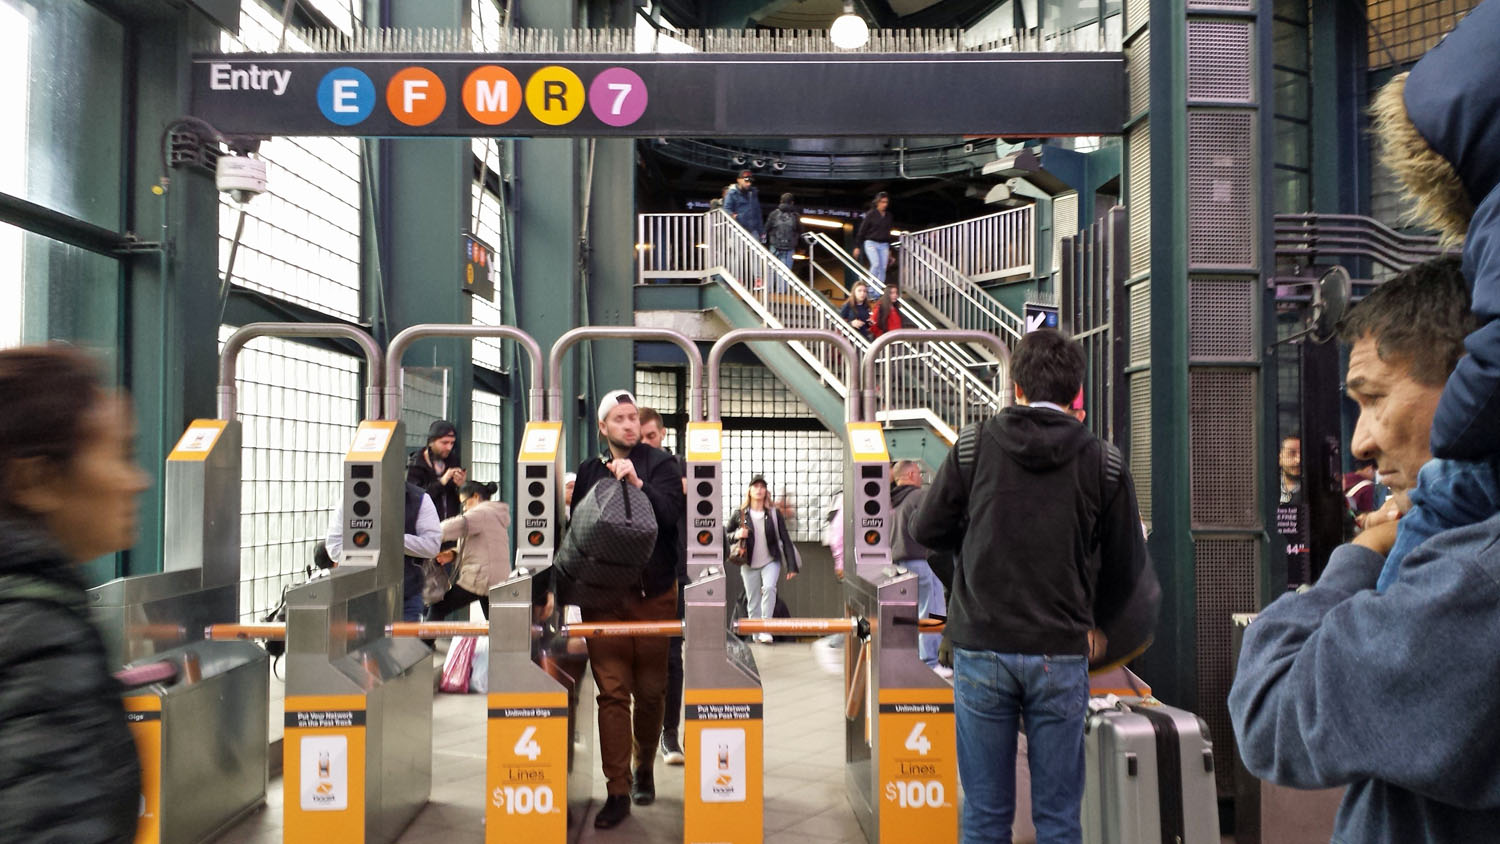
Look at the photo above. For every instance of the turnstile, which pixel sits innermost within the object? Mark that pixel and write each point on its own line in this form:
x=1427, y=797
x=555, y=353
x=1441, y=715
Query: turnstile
x=357, y=763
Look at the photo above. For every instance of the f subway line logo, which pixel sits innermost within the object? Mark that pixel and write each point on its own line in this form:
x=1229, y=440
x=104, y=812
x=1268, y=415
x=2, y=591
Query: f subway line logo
x=490, y=94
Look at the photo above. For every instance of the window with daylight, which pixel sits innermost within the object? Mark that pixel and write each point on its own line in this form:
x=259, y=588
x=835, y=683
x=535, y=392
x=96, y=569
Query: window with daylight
x=486, y=226
x=301, y=239
x=299, y=407
x=484, y=459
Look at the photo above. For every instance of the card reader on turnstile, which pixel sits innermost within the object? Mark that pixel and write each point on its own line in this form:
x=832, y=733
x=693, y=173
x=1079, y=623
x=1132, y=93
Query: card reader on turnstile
x=867, y=500
x=539, y=496
x=705, y=457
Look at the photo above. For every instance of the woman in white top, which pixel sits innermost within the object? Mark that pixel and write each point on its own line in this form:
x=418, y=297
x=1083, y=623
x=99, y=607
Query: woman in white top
x=768, y=548
x=483, y=553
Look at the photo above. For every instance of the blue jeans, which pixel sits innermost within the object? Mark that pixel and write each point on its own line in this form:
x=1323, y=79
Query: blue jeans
x=929, y=599
x=785, y=257
x=760, y=589
x=992, y=693
x=411, y=592
x=879, y=255
x=1449, y=494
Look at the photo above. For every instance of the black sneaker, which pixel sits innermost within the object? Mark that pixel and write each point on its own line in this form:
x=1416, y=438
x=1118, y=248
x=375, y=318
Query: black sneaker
x=616, y=809
x=643, y=787
x=671, y=751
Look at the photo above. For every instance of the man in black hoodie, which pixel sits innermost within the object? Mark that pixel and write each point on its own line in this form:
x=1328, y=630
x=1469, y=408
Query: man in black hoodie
x=1049, y=546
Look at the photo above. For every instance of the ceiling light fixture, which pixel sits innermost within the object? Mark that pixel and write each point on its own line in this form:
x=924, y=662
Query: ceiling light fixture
x=849, y=31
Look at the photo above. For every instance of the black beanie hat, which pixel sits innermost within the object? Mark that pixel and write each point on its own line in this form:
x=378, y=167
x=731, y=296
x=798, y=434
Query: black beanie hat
x=441, y=428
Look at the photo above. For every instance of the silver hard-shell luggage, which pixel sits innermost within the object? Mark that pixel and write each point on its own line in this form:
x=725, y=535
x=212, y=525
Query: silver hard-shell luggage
x=1149, y=775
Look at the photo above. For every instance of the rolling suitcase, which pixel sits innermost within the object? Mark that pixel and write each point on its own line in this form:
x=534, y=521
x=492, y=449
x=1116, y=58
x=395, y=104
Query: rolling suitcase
x=1149, y=775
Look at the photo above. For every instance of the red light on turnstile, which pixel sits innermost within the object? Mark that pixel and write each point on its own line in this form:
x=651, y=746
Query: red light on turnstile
x=361, y=539
x=535, y=537
x=705, y=537
x=872, y=537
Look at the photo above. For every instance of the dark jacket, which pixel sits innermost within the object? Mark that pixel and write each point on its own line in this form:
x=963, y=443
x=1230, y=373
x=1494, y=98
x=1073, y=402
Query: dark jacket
x=1452, y=99
x=875, y=226
x=781, y=228
x=662, y=483
x=851, y=312
x=777, y=542
x=905, y=502
x=744, y=207
x=1390, y=694
x=444, y=496
x=69, y=772
x=1045, y=557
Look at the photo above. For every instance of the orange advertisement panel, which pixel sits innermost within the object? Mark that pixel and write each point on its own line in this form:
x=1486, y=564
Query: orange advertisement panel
x=323, y=769
x=371, y=441
x=918, y=766
x=526, y=768
x=723, y=792
x=143, y=714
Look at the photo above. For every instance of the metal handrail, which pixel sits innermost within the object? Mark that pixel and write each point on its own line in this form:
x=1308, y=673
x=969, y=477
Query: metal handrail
x=746, y=335
x=670, y=246
x=909, y=336
x=961, y=354
x=229, y=358
x=955, y=295
x=991, y=246
x=624, y=332
x=401, y=342
x=924, y=379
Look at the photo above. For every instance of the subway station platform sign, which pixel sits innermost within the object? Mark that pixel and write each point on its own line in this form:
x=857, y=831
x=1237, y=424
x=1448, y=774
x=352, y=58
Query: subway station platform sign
x=701, y=95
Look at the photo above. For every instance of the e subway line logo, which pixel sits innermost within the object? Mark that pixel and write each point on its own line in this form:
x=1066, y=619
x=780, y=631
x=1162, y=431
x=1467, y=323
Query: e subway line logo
x=491, y=94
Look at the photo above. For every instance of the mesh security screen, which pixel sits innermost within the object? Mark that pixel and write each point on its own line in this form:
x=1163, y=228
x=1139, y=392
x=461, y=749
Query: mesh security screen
x=1225, y=572
x=301, y=239
x=298, y=407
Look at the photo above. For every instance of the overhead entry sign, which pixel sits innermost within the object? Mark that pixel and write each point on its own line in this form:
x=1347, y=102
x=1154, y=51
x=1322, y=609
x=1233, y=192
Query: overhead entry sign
x=729, y=95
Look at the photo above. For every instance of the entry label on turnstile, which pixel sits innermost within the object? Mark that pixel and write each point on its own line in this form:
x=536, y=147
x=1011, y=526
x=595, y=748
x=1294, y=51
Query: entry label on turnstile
x=324, y=769
x=527, y=767
x=143, y=714
x=918, y=767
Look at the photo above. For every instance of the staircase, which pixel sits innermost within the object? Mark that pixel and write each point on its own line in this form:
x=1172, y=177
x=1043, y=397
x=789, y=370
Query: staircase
x=930, y=388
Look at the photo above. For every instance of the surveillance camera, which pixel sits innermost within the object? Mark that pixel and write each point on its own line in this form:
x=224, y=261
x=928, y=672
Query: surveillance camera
x=968, y=147
x=758, y=163
x=242, y=177
x=778, y=165
x=739, y=159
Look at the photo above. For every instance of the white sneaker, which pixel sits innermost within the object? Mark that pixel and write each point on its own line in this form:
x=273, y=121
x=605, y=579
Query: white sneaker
x=763, y=638
x=943, y=671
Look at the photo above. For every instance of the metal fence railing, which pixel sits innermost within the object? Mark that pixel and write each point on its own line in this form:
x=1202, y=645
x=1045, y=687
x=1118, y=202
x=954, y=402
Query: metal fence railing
x=925, y=380
x=999, y=245
x=955, y=295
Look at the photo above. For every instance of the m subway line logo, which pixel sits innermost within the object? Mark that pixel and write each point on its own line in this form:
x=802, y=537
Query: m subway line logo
x=490, y=94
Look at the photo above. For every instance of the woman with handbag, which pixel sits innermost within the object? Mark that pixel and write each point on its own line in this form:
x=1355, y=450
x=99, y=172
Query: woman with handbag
x=761, y=548
x=483, y=553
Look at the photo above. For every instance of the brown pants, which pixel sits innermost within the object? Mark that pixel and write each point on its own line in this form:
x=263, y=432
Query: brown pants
x=624, y=668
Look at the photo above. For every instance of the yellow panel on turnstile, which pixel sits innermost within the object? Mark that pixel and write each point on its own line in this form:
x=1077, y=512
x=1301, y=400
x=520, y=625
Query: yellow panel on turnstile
x=526, y=767
x=867, y=443
x=198, y=440
x=918, y=766
x=723, y=793
x=539, y=443
x=143, y=714
x=323, y=769
x=705, y=442
x=371, y=441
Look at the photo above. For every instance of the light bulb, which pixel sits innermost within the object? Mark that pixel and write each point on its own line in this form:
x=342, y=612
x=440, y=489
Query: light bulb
x=849, y=32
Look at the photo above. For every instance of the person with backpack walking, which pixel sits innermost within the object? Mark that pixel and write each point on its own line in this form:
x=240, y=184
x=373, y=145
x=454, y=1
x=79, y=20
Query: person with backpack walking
x=781, y=234
x=1044, y=519
x=633, y=670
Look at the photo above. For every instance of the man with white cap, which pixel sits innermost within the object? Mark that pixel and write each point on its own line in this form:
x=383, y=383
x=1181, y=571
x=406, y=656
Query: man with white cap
x=633, y=668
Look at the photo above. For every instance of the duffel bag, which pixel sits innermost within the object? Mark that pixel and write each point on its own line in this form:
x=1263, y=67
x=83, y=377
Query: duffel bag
x=608, y=544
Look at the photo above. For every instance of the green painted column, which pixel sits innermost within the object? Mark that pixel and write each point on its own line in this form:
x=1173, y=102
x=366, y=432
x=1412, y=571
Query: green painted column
x=170, y=308
x=1170, y=660
x=611, y=273
x=424, y=190
x=548, y=186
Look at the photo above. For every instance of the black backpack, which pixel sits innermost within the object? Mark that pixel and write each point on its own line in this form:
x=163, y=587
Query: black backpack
x=607, y=547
